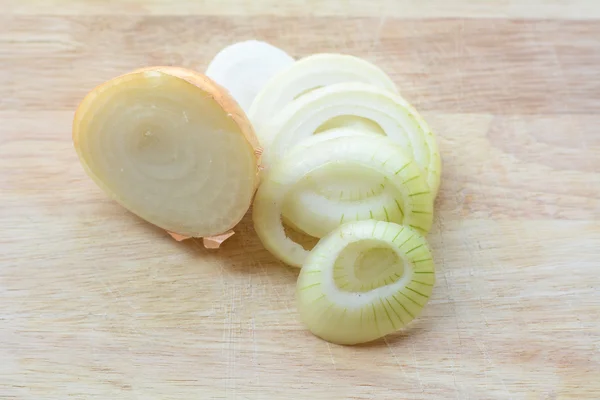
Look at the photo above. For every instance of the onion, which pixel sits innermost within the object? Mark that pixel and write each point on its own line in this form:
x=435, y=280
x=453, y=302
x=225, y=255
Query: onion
x=244, y=68
x=172, y=147
x=339, y=192
x=371, y=152
x=398, y=120
x=305, y=75
x=365, y=280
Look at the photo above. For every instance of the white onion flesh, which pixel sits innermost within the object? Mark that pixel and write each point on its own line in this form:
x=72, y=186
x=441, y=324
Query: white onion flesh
x=365, y=280
x=339, y=192
x=309, y=73
x=373, y=152
x=168, y=145
x=244, y=68
x=397, y=119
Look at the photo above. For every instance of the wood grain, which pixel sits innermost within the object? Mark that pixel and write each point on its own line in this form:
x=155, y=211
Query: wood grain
x=96, y=304
x=562, y=9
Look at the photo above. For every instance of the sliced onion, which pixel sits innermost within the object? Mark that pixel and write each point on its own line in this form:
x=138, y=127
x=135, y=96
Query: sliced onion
x=171, y=146
x=339, y=192
x=244, y=68
x=397, y=119
x=374, y=152
x=365, y=280
x=305, y=75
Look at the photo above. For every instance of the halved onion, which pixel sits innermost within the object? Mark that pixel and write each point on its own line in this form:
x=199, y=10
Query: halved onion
x=244, y=68
x=171, y=146
x=371, y=152
x=305, y=75
x=397, y=118
x=365, y=280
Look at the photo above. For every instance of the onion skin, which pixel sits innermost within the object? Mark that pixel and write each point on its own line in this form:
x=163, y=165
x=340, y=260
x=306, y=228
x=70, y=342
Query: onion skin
x=220, y=95
x=214, y=242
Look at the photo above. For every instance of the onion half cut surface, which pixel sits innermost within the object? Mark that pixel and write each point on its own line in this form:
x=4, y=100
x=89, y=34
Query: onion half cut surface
x=305, y=75
x=244, y=68
x=365, y=280
x=375, y=153
x=172, y=147
x=396, y=117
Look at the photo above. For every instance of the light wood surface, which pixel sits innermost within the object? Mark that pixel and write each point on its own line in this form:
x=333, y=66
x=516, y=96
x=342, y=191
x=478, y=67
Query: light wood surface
x=96, y=304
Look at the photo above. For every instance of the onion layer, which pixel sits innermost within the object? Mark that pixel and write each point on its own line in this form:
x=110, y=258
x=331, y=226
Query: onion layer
x=244, y=68
x=305, y=75
x=374, y=152
x=397, y=119
x=339, y=192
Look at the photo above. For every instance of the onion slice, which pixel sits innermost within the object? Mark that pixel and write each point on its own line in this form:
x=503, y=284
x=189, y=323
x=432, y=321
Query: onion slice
x=396, y=117
x=305, y=75
x=244, y=68
x=365, y=280
x=339, y=192
x=374, y=152
x=172, y=147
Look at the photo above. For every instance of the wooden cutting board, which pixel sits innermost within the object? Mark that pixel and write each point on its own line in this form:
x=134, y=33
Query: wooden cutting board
x=96, y=304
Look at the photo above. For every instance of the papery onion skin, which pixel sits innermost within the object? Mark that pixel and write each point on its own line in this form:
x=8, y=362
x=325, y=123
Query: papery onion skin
x=206, y=87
